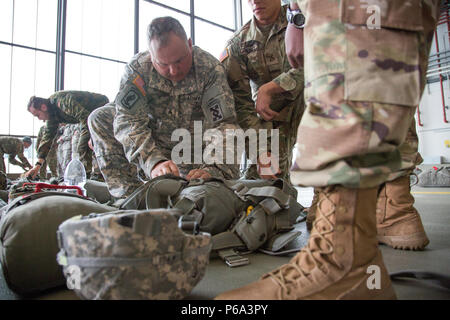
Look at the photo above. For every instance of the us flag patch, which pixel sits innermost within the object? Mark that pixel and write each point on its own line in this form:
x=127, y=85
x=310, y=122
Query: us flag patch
x=223, y=55
x=139, y=83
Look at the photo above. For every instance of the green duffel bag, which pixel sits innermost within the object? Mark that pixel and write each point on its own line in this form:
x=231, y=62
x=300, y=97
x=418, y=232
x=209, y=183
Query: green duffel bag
x=28, y=241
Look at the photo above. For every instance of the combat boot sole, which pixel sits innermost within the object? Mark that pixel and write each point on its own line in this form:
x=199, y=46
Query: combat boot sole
x=416, y=241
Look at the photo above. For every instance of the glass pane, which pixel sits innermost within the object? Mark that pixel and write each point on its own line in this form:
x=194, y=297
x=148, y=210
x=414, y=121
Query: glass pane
x=220, y=12
x=6, y=15
x=148, y=11
x=109, y=34
x=183, y=5
x=32, y=74
x=35, y=23
x=25, y=22
x=46, y=24
x=214, y=45
x=92, y=74
x=117, y=28
x=5, y=66
x=247, y=12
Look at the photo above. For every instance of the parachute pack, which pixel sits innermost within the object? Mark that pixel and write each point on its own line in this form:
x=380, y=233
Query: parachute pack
x=241, y=215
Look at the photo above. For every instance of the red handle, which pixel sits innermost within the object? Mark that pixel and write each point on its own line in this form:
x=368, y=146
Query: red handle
x=39, y=186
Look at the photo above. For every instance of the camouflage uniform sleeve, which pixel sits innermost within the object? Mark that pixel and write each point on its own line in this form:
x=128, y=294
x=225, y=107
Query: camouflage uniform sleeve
x=39, y=137
x=218, y=107
x=239, y=81
x=292, y=82
x=131, y=123
x=47, y=139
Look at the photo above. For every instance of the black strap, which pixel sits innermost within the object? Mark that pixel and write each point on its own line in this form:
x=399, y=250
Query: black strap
x=440, y=279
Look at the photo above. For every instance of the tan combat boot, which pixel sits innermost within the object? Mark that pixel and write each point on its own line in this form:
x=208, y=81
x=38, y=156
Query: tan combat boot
x=398, y=222
x=312, y=210
x=340, y=261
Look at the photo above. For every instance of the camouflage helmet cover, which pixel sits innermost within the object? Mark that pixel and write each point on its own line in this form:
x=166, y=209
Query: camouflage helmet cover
x=131, y=254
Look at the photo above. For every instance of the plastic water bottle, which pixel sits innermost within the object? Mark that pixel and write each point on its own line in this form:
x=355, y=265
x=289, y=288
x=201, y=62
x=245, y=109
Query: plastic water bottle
x=75, y=174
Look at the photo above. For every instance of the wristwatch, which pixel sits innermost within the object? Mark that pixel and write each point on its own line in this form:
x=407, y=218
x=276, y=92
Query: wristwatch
x=296, y=17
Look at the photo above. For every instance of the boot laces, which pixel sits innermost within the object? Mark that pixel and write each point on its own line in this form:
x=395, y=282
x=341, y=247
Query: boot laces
x=322, y=226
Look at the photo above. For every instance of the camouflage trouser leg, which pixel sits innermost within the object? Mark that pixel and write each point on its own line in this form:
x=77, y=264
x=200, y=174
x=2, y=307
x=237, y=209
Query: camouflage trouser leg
x=85, y=152
x=66, y=156
x=52, y=161
x=43, y=171
x=361, y=89
x=2, y=163
x=409, y=151
x=120, y=176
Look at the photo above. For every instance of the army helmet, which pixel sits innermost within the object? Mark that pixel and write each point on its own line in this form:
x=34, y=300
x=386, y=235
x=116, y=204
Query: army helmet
x=131, y=254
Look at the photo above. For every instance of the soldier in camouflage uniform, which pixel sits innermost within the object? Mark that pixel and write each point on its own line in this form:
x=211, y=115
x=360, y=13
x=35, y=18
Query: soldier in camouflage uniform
x=172, y=86
x=65, y=107
x=14, y=147
x=51, y=159
x=268, y=92
x=362, y=87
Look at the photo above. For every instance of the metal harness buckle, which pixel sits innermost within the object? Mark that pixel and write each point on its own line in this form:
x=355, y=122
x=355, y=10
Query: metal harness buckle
x=232, y=259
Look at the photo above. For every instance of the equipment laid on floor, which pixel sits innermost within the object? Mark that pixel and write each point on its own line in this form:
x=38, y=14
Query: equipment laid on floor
x=132, y=254
x=242, y=215
x=28, y=243
x=435, y=177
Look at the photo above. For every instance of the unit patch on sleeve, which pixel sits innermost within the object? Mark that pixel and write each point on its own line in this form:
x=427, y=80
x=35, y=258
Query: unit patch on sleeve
x=130, y=98
x=216, y=111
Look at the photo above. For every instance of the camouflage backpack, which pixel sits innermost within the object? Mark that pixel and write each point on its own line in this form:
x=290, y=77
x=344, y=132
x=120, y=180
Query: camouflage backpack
x=131, y=254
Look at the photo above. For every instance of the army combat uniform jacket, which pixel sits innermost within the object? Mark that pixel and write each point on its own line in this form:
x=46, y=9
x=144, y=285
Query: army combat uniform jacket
x=71, y=107
x=253, y=57
x=12, y=147
x=150, y=108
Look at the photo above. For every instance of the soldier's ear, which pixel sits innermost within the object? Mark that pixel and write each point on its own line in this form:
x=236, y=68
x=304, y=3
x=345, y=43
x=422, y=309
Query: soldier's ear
x=190, y=43
x=44, y=107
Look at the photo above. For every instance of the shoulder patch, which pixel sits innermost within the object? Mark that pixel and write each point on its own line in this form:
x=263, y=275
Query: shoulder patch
x=129, y=99
x=215, y=110
x=139, y=83
x=223, y=55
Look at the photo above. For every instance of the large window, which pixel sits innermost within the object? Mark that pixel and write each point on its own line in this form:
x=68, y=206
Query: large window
x=47, y=45
x=27, y=60
x=99, y=41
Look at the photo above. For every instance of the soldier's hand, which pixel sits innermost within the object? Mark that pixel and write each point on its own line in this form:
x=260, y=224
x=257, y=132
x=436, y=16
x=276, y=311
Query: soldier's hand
x=32, y=173
x=165, y=167
x=264, y=99
x=198, y=174
x=268, y=167
x=294, y=46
